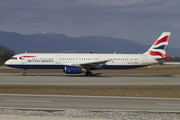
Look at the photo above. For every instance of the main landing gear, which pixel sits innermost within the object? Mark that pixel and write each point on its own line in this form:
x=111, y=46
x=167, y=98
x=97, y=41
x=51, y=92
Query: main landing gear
x=24, y=72
x=89, y=73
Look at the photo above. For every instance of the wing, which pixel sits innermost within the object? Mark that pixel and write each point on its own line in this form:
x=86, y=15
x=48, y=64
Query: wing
x=94, y=64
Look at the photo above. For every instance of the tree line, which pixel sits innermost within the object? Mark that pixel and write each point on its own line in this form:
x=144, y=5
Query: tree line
x=175, y=59
x=5, y=54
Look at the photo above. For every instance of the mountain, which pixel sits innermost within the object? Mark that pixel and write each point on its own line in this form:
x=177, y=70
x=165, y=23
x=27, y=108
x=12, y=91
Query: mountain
x=49, y=42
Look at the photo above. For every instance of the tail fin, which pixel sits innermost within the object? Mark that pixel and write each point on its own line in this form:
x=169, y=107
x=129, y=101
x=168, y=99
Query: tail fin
x=158, y=49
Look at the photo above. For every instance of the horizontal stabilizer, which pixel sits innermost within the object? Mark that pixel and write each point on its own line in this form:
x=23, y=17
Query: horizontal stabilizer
x=167, y=58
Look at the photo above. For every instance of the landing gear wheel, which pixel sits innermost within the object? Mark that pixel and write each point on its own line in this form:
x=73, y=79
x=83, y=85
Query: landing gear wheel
x=24, y=74
x=89, y=74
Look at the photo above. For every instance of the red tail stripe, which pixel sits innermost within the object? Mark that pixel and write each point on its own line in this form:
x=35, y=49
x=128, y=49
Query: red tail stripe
x=164, y=39
x=154, y=53
x=168, y=59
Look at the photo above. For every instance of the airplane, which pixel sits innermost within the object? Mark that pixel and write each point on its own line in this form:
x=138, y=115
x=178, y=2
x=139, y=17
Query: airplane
x=76, y=63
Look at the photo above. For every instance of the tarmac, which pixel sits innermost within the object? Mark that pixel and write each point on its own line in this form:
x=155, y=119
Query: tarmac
x=103, y=79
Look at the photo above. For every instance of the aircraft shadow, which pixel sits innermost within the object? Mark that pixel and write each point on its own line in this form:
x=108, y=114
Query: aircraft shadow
x=99, y=75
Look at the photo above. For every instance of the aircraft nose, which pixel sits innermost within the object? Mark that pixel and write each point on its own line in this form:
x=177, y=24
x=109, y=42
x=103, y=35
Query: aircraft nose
x=7, y=62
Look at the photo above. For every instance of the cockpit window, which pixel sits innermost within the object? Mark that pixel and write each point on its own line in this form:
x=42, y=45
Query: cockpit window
x=14, y=58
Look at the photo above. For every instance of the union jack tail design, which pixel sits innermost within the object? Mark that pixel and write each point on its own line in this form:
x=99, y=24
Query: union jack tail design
x=158, y=49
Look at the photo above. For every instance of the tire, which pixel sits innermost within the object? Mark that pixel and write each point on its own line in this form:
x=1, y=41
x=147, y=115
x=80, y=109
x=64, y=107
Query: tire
x=89, y=74
x=24, y=74
x=86, y=73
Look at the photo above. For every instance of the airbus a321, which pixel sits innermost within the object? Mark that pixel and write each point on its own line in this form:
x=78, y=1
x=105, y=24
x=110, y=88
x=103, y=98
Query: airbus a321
x=74, y=63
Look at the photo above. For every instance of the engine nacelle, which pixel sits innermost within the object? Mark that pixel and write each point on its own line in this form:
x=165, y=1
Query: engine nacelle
x=73, y=70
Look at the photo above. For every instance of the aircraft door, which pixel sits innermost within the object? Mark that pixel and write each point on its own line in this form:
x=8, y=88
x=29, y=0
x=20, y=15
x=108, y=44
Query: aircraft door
x=58, y=58
x=144, y=57
x=23, y=61
x=100, y=58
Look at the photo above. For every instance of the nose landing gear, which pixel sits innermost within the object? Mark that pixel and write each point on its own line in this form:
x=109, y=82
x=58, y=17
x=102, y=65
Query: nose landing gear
x=24, y=72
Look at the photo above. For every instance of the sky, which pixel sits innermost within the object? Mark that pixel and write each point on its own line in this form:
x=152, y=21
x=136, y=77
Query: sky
x=140, y=20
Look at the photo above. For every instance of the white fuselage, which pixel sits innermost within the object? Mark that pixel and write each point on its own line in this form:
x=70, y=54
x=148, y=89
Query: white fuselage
x=59, y=61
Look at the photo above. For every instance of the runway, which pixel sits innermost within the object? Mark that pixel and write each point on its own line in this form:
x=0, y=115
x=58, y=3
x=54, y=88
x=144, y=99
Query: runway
x=50, y=102
x=103, y=79
x=60, y=102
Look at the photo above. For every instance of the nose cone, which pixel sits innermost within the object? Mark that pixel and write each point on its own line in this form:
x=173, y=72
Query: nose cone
x=7, y=62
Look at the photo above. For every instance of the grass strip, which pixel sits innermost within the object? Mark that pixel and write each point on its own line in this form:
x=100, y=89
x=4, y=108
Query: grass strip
x=162, y=91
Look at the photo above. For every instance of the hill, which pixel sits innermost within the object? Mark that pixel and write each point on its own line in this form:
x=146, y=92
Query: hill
x=48, y=42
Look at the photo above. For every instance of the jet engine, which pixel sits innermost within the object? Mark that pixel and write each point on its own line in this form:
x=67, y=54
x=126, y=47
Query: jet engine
x=73, y=70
